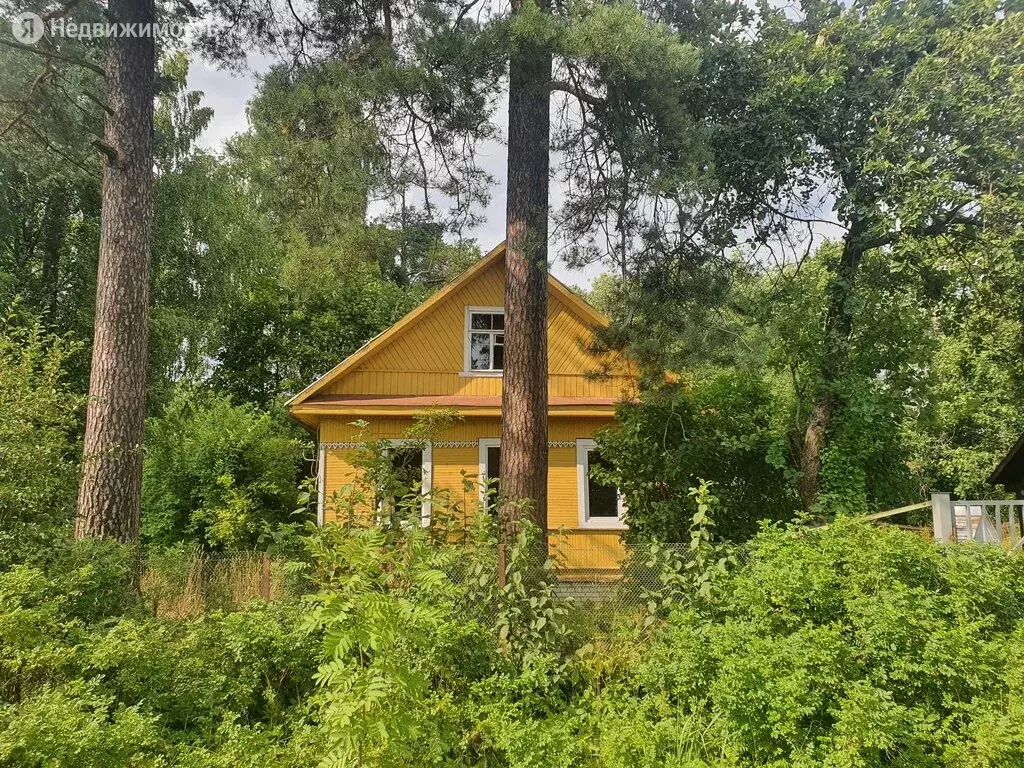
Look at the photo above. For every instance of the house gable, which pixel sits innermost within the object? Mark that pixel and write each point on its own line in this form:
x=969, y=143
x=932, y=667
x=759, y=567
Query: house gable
x=422, y=355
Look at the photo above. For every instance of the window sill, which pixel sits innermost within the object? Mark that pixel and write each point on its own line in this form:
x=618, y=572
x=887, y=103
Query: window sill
x=601, y=525
x=480, y=374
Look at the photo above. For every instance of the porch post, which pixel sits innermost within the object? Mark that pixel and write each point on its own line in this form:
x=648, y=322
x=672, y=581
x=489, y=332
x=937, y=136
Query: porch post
x=942, y=517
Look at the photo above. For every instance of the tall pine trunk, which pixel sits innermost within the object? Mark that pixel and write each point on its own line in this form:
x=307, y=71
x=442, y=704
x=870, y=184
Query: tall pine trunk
x=109, y=498
x=524, y=416
x=835, y=355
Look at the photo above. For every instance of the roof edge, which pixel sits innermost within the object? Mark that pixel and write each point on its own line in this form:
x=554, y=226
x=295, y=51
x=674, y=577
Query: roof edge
x=993, y=479
x=564, y=292
x=388, y=333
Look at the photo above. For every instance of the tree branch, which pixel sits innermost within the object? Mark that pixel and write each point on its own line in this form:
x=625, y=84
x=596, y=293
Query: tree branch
x=54, y=55
x=579, y=93
x=56, y=150
x=938, y=226
x=107, y=150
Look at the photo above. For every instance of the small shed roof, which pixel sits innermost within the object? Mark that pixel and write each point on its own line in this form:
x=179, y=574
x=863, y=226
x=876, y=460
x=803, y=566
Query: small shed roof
x=1010, y=472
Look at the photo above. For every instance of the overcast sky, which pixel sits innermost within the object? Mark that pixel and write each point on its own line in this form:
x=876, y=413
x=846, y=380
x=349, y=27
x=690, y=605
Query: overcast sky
x=228, y=93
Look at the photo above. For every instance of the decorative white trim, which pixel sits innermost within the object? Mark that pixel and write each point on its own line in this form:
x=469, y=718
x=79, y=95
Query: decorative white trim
x=483, y=478
x=466, y=370
x=321, y=483
x=441, y=444
x=583, y=448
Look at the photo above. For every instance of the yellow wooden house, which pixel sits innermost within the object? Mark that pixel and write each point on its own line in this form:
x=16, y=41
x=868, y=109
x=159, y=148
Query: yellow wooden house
x=448, y=353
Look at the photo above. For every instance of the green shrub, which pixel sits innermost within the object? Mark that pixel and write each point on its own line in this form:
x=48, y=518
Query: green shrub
x=250, y=665
x=39, y=455
x=216, y=473
x=849, y=646
x=723, y=430
x=76, y=726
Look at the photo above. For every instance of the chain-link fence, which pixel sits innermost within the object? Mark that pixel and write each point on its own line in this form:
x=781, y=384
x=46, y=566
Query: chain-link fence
x=596, y=569
x=181, y=584
x=599, y=567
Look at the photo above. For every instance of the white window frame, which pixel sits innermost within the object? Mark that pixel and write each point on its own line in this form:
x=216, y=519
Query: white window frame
x=484, y=444
x=466, y=370
x=583, y=448
x=426, y=474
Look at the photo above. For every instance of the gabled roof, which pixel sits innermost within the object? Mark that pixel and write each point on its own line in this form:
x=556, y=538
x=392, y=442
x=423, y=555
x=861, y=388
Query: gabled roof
x=377, y=342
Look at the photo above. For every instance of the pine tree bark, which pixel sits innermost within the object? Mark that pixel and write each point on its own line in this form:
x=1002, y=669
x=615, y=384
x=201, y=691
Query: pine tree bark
x=524, y=416
x=109, y=498
x=835, y=355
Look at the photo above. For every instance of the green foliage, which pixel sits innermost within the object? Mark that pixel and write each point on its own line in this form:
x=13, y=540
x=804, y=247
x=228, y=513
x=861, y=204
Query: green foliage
x=683, y=580
x=252, y=665
x=386, y=595
x=850, y=645
x=39, y=419
x=88, y=679
x=531, y=620
x=79, y=727
x=216, y=473
x=704, y=562
x=846, y=646
x=303, y=121
x=884, y=388
x=972, y=415
x=724, y=429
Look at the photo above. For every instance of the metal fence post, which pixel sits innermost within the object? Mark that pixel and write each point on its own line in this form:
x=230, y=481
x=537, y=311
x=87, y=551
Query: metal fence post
x=942, y=517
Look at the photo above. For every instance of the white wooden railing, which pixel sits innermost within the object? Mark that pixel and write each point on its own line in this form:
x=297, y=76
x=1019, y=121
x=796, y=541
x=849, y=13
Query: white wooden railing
x=988, y=521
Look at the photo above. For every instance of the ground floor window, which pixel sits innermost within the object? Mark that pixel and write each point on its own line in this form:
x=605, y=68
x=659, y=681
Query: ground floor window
x=411, y=468
x=490, y=468
x=600, y=505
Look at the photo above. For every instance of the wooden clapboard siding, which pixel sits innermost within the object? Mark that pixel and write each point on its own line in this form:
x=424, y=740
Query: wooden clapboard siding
x=413, y=382
x=427, y=358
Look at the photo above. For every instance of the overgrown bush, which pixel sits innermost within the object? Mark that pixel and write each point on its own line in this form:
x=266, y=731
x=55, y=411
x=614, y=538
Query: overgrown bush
x=216, y=473
x=87, y=682
x=39, y=419
x=724, y=429
x=850, y=645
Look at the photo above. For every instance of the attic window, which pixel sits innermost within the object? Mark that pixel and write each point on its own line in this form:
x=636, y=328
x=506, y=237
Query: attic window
x=485, y=339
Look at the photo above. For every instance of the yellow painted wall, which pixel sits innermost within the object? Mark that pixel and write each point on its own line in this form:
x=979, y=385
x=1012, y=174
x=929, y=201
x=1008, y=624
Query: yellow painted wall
x=427, y=357
x=590, y=549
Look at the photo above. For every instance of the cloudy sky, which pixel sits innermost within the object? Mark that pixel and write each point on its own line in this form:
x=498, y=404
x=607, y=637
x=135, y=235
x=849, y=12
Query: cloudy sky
x=228, y=93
